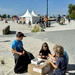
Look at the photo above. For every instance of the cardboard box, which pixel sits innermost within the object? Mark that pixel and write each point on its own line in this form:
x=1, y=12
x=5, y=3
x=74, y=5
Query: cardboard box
x=39, y=69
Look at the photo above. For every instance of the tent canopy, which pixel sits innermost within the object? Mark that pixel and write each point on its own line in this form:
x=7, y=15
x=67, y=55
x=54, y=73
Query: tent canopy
x=33, y=13
x=30, y=17
x=27, y=14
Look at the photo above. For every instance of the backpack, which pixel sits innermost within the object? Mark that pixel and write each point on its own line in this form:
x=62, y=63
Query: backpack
x=67, y=57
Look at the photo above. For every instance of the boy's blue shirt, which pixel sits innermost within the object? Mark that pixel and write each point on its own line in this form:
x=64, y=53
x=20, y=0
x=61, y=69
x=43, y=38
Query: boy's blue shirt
x=17, y=45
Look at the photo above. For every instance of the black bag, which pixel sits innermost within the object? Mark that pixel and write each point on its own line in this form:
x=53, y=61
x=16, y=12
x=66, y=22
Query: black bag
x=31, y=56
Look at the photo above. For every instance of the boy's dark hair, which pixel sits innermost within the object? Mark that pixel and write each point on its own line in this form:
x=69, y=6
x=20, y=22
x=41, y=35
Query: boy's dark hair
x=20, y=34
x=59, y=51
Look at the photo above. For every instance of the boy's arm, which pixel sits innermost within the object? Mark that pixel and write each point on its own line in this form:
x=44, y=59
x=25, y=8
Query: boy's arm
x=23, y=50
x=52, y=56
x=55, y=66
x=14, y=51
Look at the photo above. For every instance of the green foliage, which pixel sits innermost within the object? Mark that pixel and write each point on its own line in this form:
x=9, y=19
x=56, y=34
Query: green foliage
x=39, y=15
x=36, y=28
x=72, y=15
x=4, y=16
x=0, y=15
x=70, y=8
x=8, y=16
x=71, y=11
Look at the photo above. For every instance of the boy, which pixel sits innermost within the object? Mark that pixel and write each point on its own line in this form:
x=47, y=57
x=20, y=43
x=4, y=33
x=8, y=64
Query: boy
x=54, y=57
x=60, y=66
x=20, y=56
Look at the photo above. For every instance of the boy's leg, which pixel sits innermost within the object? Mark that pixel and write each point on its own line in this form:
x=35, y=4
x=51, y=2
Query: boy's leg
x=17, y=67
x=16, y=57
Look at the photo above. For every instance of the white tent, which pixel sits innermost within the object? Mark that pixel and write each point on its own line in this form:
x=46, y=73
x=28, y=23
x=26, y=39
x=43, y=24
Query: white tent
x=36, y=17
x=32, y=17
x=33, y=13
x=28, y=16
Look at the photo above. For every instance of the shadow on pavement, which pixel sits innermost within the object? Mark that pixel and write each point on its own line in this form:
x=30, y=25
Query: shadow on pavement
x=50, y=26
x=12, y=32
x=6, y=41
x=63, y=24
x=71, y=69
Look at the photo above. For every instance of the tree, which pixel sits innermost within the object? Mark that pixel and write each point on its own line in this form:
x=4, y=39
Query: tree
x=72, y=15
x=0, y=15
x=38, y=14
x=8, y=16
x=73, y=7
x=71, y=11
x=70, y=8
x=4, y=16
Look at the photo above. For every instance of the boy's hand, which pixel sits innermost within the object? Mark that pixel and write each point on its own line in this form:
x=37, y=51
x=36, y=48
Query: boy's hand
x=50, y=61
x=55, y=66
x=20, y=53
x=43, y=56
x=23, y=52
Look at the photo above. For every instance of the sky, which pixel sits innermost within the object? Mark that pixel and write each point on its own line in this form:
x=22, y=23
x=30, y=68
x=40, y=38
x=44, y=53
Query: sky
x=19, y=7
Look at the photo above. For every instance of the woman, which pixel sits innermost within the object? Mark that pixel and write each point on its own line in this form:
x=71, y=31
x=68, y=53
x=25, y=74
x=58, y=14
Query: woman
x=44, y=52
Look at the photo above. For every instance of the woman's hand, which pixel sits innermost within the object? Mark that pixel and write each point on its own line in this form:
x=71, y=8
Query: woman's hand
x=43, y=57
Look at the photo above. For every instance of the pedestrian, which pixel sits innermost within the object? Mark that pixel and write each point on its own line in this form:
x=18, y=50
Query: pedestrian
x=46, y=21
x=20, y=21
x=69, y=20
x=41, y=21
x=17, y=19
x=6, y=20
x=20, y=54
x=29, y=23
x=59, y=18
x=61, y=64
x=24, y=20
x=44, y=52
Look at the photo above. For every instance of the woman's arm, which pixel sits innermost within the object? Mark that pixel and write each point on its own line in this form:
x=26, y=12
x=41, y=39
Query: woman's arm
x=42, y=56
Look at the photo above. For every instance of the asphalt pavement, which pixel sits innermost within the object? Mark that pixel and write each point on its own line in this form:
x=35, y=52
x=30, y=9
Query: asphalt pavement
x=65, y=38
